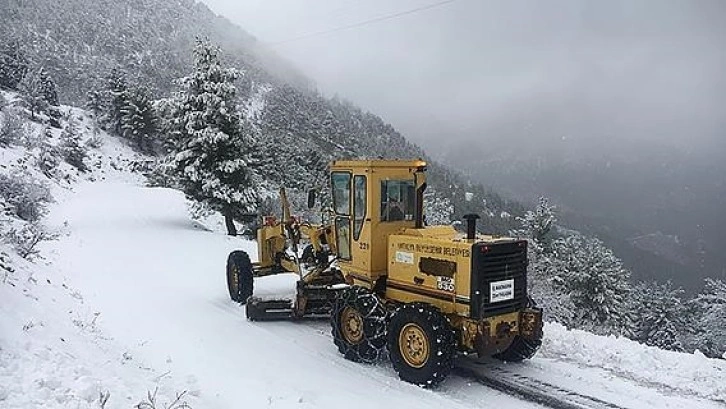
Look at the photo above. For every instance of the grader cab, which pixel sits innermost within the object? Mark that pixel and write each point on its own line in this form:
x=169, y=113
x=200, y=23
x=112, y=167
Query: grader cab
x=389, y=282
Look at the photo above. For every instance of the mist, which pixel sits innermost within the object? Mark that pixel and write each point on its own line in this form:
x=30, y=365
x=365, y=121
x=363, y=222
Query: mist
x=526, y=70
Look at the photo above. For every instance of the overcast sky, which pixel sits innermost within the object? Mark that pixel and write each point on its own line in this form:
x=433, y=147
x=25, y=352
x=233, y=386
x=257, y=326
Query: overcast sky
x=474, y=69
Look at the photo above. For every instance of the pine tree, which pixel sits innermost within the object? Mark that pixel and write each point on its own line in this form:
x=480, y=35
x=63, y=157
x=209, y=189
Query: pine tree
x=3, y=102
x=138, y=119
x=12, y=129
x=117, y=87
x=437, y=208
x=13, y=65
x=547, y=281
x=47, y=87
x=212, y=157
x=537, y=225
x=96, y=103
x=659, y=314
x=34, y=95
x=710, y=308
x=597, y=283
x=72, y=148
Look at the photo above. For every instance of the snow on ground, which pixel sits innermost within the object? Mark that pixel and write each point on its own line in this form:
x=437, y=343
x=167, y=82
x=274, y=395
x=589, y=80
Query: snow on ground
x=53, y=353
x=672, y=372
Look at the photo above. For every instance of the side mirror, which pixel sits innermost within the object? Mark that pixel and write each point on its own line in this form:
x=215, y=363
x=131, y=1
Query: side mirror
x=311, y=198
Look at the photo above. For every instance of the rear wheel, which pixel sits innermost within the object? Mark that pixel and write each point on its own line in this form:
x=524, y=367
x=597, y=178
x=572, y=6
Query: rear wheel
x=239, y=276
x=421, y=344
x=521, y=348
x=359, y=325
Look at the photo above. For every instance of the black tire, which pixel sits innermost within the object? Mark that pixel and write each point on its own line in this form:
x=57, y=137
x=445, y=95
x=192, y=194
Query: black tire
x=430, y=344
x=521, y=348
x=240, y=279
x=358, y=322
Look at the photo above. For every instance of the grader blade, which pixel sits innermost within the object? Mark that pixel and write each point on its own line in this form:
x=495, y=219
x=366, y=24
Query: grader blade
x=269, y=310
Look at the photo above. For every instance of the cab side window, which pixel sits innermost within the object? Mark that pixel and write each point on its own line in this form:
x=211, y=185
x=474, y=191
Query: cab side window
x=397, y=200
x=359, y=204
x=340, y=182
x=341, y=193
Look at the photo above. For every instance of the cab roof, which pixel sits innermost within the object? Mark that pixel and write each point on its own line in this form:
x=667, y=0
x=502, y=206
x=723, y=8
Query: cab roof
x=377, y=163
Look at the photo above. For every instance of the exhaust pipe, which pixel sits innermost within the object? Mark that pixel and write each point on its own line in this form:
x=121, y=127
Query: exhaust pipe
x=471, y=219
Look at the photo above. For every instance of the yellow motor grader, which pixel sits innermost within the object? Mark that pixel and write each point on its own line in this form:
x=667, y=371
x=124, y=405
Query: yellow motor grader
x=389, y=283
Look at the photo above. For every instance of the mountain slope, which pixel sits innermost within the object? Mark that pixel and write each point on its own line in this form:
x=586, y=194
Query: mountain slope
x=79, y=43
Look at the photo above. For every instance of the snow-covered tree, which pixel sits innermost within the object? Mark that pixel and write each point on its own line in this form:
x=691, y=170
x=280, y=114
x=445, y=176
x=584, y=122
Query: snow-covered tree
x=48, y=160
x=138, y=119
x=33, y=95
x=72, y=148
x=13, y=65
x=3, y=102
x=547, y=281
x=117, y=87
x=710, y=310
x=659, y=315
x=96, y=103
x=212, y=148
x=168, y=134
x=12, y=130
x=47, y=87
x=437, y=209
x=24, y=196
x=537, y=225
x=597, y=283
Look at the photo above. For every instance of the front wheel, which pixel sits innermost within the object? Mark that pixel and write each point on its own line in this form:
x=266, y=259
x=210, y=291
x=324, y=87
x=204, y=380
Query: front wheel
x=421, y=344
x=240, y=279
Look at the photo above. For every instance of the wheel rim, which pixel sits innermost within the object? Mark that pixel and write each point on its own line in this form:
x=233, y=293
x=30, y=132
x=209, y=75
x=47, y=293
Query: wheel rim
x=413, y=345
x=233, y=279
x=352, y=325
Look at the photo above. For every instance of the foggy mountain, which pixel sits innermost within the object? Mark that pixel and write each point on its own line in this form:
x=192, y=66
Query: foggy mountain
x=659, y=208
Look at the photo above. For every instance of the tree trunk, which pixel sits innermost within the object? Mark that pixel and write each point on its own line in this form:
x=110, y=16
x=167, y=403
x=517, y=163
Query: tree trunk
x=229, y=221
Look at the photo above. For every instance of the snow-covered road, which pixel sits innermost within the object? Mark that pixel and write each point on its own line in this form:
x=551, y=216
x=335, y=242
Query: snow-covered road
x=157, y=278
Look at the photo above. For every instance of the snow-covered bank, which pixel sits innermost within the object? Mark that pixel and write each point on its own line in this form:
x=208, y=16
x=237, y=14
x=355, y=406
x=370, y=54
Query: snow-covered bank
x=672, y=372
x=53, y=352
